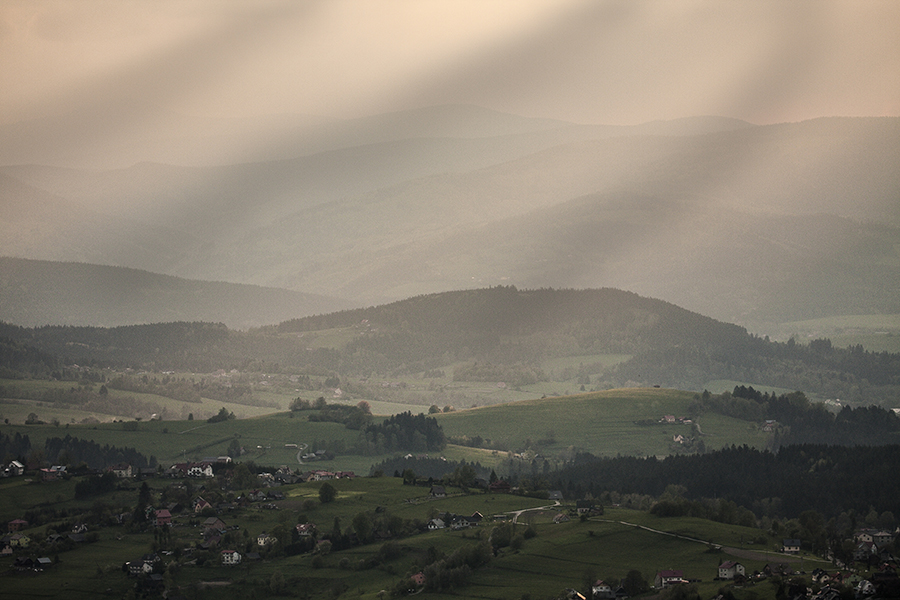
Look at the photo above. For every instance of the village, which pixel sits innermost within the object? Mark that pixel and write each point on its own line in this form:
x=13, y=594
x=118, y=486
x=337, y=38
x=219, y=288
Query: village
x=201, y=497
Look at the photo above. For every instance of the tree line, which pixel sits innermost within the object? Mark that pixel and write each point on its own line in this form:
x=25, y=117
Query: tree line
x=800, y=421
x=828, y=479
x=69, y=450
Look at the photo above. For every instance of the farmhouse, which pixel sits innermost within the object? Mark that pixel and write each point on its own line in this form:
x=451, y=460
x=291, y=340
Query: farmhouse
x=17, y=525
x=122, y=470
x=306, y=529
x=499, y=487
x=602, y=591
x=231, y=557
x=438, y=491
x=213, y=525
x=162, y=517
x=200, y=504
x=668, y=578
x=14, y=469
x=264, y=539
x=731, y=569
x=201, y=469
x=790, y=546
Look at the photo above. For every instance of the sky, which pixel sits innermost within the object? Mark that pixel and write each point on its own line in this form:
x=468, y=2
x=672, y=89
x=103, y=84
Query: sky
x=587, y=61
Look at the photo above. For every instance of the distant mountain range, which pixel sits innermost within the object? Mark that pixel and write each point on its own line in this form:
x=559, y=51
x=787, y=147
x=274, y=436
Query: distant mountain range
x=35, y=293
x=754, y=225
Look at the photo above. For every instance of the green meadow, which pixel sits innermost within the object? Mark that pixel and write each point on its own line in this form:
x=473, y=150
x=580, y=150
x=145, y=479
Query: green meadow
x=624, y=421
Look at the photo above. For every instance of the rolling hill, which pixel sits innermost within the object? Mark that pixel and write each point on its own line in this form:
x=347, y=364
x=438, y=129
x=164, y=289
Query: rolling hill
x=35, y=293
x=757, y=225
x=511, y=341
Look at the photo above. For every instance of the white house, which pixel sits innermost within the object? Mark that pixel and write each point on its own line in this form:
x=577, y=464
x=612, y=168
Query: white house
x=203, y=469
x=731, y=569
x=434, y=524
x=668, y=577
x=602, y=591
x=231, y=557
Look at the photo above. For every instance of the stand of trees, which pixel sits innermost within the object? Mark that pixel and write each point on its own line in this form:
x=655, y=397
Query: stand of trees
x=402, y=432
x=829, y=480
x=802, y=421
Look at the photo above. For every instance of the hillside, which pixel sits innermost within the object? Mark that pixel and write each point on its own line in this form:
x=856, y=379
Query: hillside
x=35, y=293
x=757, y=225
x=473, y=347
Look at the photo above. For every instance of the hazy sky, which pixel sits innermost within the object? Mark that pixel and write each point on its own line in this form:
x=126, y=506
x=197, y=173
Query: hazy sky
x=589, y=61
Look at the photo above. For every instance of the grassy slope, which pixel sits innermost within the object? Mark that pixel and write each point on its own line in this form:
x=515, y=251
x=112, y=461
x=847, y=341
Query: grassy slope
x=602, y=423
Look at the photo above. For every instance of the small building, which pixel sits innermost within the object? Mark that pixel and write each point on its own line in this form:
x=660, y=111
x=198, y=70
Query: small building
x=201, y=469
x=305, y=529
x=162, y=517
x=731, y=569
x=435, y=524
x=17, y=525
x=438, y=491
x=602, y=591
x=668, y=578
x=790, y=546
x=15, y=469
x=213, y=524
x=231, y=557
x=499, y=487
x=264, y=539
x=122, y=470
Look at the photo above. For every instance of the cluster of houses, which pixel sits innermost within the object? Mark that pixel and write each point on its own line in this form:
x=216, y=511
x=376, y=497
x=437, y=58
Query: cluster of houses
x=454, y=521
x=871, y=545
x=600, y=590
x=16, y=540
x=671, y=419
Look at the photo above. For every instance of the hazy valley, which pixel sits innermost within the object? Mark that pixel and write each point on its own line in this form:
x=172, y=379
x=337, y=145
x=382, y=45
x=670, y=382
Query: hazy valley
x=642, y=336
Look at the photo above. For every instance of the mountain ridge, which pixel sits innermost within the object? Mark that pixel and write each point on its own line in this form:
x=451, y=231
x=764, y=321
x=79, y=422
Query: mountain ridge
x=35, y=293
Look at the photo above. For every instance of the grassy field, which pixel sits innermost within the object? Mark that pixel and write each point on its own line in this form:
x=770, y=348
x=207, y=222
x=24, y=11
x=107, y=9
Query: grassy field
x=603, y=423
x=876, y=333
x=560, y=556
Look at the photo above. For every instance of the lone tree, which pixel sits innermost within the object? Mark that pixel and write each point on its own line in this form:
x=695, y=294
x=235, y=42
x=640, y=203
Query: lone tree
x=327, y=493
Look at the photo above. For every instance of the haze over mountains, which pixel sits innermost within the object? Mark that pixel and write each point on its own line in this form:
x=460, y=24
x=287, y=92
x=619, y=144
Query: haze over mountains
x=748, y=224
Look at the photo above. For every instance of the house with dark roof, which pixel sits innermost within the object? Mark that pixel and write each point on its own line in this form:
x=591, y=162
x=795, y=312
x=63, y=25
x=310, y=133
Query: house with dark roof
x=668, y=578
x=162, y=517
x=731, y=569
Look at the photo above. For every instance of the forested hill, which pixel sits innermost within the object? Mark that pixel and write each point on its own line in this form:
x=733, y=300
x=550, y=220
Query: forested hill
x=501, y=321
x=493, y=334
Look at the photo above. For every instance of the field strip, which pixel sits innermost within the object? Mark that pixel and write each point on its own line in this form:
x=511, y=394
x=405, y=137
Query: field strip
x=748, y=554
